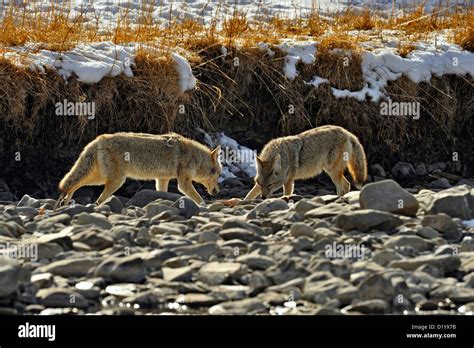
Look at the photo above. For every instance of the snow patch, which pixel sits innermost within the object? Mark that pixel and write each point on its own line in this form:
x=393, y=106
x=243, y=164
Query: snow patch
x=297, y=51
x=187, y=79
x=316, y=81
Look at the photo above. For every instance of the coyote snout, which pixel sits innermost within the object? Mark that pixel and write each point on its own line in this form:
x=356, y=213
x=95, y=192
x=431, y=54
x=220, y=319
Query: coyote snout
x=111, y=158
x=303, y=156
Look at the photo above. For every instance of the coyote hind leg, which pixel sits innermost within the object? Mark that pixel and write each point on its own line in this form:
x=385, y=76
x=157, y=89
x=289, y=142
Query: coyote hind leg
x=337, y=176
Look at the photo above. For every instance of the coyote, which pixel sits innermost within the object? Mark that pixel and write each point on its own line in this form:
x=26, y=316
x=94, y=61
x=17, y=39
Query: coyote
x=305, y=155
x=111, y=158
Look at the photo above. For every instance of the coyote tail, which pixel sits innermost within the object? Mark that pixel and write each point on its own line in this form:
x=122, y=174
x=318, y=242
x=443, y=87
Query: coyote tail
x=358, y=163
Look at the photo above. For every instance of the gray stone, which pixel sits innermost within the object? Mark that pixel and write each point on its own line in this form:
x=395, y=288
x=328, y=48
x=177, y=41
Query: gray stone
x=388, y=196
x=128, y=269
x=329, y=210
x=203, y=250
x=12, y=276
x=367, y=219
x=444, y=224
x=58, y=297
x=215, y=273
x=375, y=306
x=96, y=240
x=441, y=183
x=94, y=219
x=416, y=242
x=114, y=204
x=187, y=207
x=376, y=287
x=445, y=263
x=427, y=232
x=404, y=172
x=240, y=233
x=301, y=229
x=241, y=307
x=337, y=288
x=27, y=201
x=270, y=205
x=180, y=274
x=79, y=267
x=254, y=261
x=455, y=202
x=143, y=197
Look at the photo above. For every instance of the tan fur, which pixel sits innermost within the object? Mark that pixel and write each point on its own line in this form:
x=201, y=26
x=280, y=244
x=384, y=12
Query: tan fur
x=305, y=155
x=111, y=158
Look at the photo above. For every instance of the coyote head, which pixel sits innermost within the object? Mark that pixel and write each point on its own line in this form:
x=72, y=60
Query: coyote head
x=213, y=171
x=269, y=175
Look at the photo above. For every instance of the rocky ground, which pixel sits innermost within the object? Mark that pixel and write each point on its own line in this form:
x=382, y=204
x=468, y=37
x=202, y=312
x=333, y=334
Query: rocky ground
x=380, y=250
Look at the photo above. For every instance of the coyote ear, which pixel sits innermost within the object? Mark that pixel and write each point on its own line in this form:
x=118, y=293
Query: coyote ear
x=259, y=162
x=215, y=153
x=277, y=162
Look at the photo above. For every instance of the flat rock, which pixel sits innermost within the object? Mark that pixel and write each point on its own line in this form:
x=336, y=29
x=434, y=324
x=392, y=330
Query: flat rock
x=58, y=297
x=255, y=261
x=395, y=242
x=242, y=307
x=70, y=267
x=445, y=263
x=240, y=233
x=329, y=210
x=455, y=202
x=143, y=197
x=389, y=196
x=367, y=219
x=128, y=269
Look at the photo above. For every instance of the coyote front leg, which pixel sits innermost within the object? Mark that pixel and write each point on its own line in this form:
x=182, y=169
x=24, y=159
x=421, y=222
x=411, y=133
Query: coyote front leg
x=162, y=184
x=288, y=187
x=185, y=185
x=254, y=192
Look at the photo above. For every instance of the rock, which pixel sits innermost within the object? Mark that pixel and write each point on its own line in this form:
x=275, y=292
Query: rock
x=216, y=206
x=404, y=172
x=198, y=300
x=187, y=207
x=208, y=236
x=143, y=197
x=27, y=201
x=94, y=219
x=427, y=232
x=204, y=250
x=300, y=229
x=58, y=297
x=270, y=205
x=128, y=269
x=436, y=167
x=329, y=210
x=180, y=274
x=467, y=244
x=384, y=257
x=444, y=224
x=388, y=196
x=376, y=306
x=62, y=218
x=240, y=233
x=242, y=307
x=255, y=261
x=377, y=170
x=215, y=273
x=445, y=263
x=96, y=240
x=457, y=294
x=441, y=183
x=455, y=202
x=337, y=288
x=304, y=205
x=376, y=287
x=367, y=219
x=146, y=299
x=114, y=204
x=153, y=209
x=12, y=276
x=11, y=229
x=421, y=169
x=79, y=267
x=239, y=223
x=416, y=242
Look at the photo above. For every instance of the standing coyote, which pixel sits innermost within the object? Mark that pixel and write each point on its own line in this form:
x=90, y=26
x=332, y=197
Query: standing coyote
x=305, y=155
x=111, y=158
